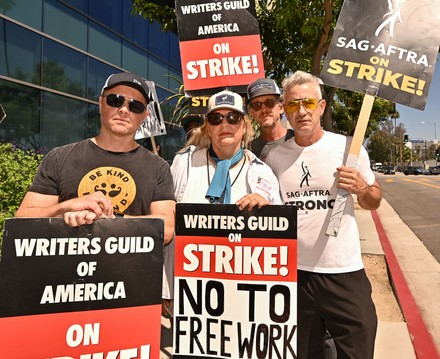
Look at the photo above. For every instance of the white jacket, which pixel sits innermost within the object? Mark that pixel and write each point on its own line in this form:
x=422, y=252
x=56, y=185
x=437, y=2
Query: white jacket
x=257, y=172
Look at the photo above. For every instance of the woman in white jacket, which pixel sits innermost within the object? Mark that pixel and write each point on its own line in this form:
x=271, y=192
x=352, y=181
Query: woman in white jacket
x=215, y=167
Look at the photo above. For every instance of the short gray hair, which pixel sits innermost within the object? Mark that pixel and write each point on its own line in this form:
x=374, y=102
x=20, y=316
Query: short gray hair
x=300, y=78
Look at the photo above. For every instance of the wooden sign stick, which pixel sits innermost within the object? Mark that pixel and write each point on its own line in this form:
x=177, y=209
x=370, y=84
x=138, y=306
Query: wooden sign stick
x=153, y=145
x=351, y=161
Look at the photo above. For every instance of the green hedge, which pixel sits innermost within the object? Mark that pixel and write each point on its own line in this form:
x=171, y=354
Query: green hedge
x=17, y=170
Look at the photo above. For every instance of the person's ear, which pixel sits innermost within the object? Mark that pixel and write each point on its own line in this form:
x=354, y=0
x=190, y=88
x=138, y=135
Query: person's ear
x=322, y=105
x=281, y=107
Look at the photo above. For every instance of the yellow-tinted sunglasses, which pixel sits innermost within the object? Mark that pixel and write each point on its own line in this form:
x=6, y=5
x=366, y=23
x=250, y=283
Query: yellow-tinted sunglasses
x=308, y=103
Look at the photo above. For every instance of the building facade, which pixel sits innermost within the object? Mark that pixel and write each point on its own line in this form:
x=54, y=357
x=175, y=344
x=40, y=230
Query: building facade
x=55, y=56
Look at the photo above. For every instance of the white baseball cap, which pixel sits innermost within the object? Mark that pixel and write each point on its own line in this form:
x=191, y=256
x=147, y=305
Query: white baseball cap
x=226, y=99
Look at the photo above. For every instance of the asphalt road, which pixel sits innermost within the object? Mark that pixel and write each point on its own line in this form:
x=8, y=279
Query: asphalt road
x=417, y=201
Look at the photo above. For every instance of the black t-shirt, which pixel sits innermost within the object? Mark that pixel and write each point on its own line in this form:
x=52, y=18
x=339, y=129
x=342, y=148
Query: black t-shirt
x=131, y=179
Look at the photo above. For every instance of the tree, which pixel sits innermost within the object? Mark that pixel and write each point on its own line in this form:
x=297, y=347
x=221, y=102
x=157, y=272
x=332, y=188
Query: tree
x=384, y=145
x=17, y=170
x=378, y=147
x=162, y=11
x=295, y=35
x=406, y=156
x=347, y=106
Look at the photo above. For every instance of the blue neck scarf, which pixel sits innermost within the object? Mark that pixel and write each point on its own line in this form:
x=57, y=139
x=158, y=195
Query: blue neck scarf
x=220, y=187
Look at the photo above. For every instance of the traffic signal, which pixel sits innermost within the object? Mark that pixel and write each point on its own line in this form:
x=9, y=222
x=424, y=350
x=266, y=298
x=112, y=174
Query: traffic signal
x=405, y=138
x=437, y=154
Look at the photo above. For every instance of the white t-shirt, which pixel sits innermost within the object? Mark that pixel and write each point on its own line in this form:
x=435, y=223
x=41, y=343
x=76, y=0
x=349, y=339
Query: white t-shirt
x=307, y=177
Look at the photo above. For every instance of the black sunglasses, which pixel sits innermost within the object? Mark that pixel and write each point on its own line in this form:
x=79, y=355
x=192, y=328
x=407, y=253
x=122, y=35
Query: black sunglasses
x=216, y=118
x=134, y=106
x=269, y=103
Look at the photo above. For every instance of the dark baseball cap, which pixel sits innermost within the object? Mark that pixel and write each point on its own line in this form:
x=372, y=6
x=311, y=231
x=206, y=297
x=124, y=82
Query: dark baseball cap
x=191, y=118
x=128, y=79
x=262, y=87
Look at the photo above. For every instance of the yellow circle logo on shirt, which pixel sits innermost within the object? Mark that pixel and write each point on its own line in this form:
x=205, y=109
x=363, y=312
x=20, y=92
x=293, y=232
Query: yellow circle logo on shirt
x=113, y=182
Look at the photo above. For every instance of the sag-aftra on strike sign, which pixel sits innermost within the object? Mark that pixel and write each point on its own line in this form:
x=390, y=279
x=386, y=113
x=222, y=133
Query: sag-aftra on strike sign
x=389, y=45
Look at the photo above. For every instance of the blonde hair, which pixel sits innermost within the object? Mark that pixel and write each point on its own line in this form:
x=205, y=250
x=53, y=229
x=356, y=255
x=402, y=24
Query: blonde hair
x=200, y=135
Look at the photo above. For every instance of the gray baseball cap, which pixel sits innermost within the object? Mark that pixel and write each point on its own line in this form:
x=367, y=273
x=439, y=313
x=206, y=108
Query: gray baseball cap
x=262, y=87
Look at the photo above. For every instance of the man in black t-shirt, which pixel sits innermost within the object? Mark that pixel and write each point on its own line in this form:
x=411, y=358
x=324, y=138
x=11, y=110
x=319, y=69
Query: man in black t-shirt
x=108, y=175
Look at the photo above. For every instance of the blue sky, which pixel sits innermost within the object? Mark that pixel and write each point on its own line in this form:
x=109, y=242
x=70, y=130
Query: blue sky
x=412, y=118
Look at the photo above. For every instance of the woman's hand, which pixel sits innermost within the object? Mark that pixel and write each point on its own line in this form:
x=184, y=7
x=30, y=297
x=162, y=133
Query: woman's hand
x=251, y=200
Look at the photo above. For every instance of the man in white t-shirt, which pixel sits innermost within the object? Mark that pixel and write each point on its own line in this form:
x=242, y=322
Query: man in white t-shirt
x=334, y=292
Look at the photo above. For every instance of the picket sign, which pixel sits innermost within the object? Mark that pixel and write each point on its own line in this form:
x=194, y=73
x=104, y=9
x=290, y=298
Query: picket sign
x=373, y=53
x=97, y=295
x=351, y=160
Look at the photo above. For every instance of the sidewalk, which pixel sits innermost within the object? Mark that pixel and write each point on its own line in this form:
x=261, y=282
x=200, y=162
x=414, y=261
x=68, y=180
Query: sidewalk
x=415, y=279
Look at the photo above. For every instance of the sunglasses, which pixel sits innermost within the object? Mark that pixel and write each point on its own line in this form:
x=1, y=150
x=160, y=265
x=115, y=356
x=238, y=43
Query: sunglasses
x=215, y=118
x=269, y=103
x=308, y=103
x=134, y=106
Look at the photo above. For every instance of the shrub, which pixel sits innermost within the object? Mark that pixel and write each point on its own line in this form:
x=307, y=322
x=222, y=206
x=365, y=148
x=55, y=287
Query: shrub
x=17, y=170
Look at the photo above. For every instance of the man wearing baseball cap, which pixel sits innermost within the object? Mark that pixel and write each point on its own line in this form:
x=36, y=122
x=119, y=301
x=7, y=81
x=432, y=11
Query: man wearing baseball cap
x=109, y=175
x=265, y=107
x=190, y=122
